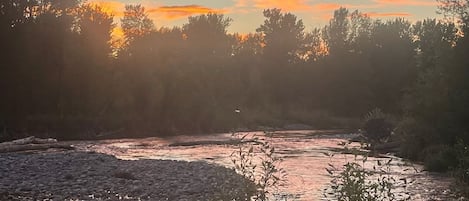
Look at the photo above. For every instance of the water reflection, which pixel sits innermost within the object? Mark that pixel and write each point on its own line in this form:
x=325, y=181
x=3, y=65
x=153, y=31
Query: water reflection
x=303, y=154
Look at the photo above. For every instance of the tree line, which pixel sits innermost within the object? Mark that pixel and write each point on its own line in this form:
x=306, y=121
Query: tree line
x=63, y=76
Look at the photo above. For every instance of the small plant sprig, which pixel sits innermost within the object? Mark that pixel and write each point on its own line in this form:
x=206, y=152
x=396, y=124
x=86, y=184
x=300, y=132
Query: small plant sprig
x=376, y=113
x=355, y=183
x=258, y=163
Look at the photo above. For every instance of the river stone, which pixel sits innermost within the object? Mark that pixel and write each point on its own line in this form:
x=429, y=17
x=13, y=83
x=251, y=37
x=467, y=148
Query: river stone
x=75, y=175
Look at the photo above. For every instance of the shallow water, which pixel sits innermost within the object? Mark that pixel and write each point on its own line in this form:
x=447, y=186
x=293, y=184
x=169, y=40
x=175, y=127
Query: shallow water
x=305, y=156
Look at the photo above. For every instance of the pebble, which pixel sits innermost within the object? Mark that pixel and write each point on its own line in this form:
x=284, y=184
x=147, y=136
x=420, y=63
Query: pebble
x=74, y=175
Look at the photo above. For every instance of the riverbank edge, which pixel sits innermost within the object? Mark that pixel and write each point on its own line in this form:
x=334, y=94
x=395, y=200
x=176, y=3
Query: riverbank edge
x=78, y=175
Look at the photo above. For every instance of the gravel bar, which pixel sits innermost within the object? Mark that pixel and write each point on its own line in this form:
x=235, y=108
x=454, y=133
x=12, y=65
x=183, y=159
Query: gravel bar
x=73, y=175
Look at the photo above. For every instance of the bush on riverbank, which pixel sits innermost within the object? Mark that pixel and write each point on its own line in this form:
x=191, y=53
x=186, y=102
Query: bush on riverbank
x=257, y=162
x=377, y=127
x=355, y=182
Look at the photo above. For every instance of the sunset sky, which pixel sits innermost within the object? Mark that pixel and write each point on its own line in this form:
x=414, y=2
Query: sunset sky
x=247, y=14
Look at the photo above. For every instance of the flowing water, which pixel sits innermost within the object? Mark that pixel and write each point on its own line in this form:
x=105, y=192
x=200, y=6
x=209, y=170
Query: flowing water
x=305, y=156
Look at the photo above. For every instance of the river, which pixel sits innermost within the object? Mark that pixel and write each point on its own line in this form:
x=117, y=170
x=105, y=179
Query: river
x=305, y=156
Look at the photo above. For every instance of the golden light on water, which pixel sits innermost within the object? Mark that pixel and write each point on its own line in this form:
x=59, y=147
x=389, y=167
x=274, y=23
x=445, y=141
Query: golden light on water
x=305, y=156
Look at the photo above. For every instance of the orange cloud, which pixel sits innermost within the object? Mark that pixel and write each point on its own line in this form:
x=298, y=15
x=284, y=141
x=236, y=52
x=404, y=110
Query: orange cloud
x=408, y=2
x=299, y=5
x=286, y=5
x=175, y=12
x=393, y=14
x=327, y=6
x=241, y=3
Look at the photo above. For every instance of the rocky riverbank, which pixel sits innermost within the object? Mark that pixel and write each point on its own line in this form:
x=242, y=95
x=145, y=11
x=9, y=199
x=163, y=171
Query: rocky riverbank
x=73, y=175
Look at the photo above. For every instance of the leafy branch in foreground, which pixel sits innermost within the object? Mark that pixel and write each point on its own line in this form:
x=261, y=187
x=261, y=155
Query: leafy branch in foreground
x=354, y=182
x=258, y=163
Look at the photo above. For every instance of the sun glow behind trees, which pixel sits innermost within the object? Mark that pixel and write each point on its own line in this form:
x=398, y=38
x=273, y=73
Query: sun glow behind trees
x=247, y=14
x=72, y=81
x=186, y=78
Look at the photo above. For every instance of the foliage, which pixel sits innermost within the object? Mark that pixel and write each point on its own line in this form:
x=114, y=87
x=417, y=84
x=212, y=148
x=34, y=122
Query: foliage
x=439, y=158
x=208, y=27
x=435, y=105
x=375, y=114
x=377, y=126
x=70, y=82
x=135, y=22
x=409, y=133
x=353, y=184
x=356, y=183
x=258, y=163
x=284, y=36
x=456, y=9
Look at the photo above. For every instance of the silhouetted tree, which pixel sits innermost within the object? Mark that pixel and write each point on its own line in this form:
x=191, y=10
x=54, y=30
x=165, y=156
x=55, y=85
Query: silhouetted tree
x=456, y=9
x=392, y=58
x=283, y=35
x=88, y=74
x=286, y=43
x=435, y=108
x=135, y=22
x=336, y=34
x=206, y=35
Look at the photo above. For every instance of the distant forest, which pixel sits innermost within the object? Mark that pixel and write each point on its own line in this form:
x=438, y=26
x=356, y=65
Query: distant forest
x=62, y=75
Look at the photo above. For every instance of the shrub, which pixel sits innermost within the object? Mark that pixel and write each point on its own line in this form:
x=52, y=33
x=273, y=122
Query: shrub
x=351, y=184
x=409, y=132
x=439, y=158
x=258, y=163
x=354, y=182
x=377, y=126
